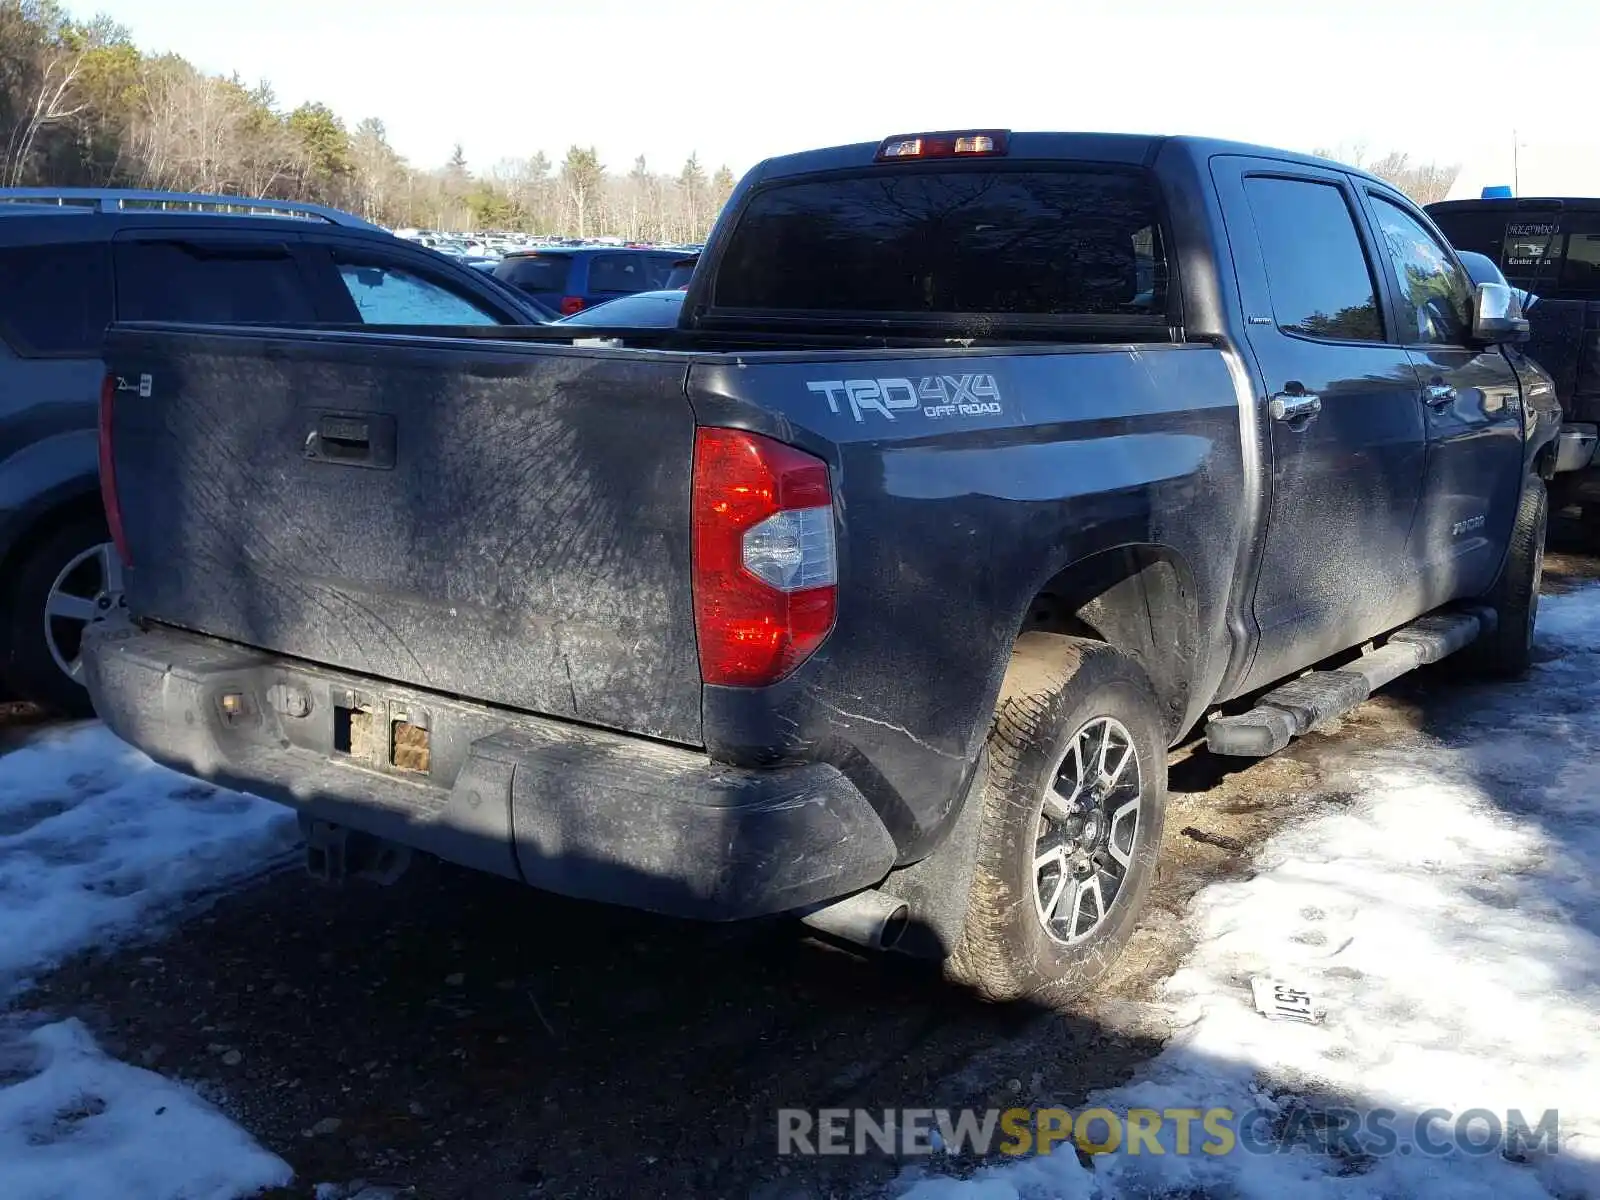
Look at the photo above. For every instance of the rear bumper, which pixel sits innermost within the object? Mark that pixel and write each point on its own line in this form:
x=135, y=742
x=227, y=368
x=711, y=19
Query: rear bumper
x=573, y=810
x=1575, y=447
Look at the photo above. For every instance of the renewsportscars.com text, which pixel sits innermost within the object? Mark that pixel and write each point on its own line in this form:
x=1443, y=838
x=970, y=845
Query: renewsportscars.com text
x=1213, y=1131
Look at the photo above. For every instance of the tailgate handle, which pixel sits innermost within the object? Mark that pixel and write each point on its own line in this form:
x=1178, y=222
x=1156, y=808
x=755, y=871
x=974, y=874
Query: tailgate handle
x=344, y=437
x=354, y=439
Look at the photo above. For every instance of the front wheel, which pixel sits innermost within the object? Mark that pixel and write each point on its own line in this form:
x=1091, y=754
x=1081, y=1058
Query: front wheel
x=1508, y=652
x=1073, y=807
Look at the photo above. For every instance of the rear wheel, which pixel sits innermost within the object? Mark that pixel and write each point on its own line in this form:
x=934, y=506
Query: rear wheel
x=1073, y=807
x=67, y=579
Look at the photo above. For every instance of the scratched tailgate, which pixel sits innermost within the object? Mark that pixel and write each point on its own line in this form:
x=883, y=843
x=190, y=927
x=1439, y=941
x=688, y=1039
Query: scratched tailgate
x=504, y=523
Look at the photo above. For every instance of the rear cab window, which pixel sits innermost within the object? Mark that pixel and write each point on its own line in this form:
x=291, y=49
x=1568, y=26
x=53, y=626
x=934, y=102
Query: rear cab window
x=55, y=298
x=1029, y=243
x=1554, y=253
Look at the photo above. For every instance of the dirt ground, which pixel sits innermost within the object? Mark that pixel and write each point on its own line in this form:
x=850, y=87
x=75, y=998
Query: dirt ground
x=460, y=1036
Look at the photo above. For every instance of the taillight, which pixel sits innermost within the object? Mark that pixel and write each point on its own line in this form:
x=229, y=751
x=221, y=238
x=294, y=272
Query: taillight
x=765, y=567
x=108, y=471
x=570, y=305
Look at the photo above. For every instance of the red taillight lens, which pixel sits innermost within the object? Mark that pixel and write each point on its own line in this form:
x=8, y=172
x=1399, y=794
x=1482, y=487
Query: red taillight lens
x=571, y=304
x=765, y=567
x=108, y=471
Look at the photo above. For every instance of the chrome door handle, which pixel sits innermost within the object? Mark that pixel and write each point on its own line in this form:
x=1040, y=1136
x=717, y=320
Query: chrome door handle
x=1437, y=395
x=1294, y=406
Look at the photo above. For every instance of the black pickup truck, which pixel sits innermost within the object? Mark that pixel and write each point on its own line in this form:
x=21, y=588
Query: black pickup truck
x=1549, y=247
x=980, y=469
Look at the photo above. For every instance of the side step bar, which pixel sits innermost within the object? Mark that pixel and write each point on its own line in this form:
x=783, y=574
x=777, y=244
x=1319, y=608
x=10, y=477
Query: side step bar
x=1318, y=697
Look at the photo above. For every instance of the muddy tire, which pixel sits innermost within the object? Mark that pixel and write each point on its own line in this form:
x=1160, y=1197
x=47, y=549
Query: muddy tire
x=1508, y=651
x=63, y=564
x=1071, y=818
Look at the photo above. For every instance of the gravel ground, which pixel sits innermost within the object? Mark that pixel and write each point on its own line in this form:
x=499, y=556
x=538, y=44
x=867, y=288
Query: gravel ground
x=471, y=1038
x=460, y=1036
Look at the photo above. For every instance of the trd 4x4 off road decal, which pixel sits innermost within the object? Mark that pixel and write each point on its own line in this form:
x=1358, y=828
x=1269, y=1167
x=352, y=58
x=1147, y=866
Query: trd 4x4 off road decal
x=936, y=395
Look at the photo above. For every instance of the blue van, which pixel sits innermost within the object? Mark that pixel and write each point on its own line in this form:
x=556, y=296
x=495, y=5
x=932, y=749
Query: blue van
x=570, y=279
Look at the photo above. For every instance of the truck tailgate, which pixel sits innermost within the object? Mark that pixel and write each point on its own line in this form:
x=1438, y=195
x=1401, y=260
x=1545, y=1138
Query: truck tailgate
x=509, y=524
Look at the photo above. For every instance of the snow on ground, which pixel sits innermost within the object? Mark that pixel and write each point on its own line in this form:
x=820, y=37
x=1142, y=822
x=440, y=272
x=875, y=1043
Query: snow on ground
x=86, y=1127
x=96, y=841
x=1448, y=919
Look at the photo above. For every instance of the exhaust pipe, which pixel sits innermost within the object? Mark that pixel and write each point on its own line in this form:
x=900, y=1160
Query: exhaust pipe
x=872, y=919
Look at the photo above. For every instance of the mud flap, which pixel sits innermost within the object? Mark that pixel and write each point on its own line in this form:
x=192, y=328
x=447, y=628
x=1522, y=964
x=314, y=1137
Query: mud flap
x=935, y=888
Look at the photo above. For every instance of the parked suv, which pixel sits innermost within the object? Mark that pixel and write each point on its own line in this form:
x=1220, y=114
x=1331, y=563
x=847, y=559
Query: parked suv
x=71, y=262
x=571, y=278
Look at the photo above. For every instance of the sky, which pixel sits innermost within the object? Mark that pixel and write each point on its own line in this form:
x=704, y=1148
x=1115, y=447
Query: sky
x=736, y=82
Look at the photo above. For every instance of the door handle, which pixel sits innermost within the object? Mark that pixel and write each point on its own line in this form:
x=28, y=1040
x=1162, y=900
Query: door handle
x=1437, y=395
x=1294, y=406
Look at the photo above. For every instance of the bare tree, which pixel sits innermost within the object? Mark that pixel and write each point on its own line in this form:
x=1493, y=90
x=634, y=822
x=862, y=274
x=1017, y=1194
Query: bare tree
x=51, y=103
x=691, y=199
x=638, y=199
x=374, y=168
x=722, y=185
x=1424, y=182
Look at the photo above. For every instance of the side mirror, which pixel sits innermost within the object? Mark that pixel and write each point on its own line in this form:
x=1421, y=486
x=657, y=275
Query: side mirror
x=1497, y=315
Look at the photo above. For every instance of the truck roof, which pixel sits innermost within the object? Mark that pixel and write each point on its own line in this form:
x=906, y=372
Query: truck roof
x=1130, y=148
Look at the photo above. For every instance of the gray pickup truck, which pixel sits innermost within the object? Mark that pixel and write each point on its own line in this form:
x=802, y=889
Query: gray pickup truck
x=979, y=469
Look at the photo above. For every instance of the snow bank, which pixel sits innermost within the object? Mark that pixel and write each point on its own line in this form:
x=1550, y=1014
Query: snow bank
x=94, y=837
x=1448, y=918
x=88, y=1127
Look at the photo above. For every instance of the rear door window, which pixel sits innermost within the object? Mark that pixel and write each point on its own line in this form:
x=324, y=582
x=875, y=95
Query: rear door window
x=535, y=273
x=391, y=295
x=1321, y=283
x=906, y=240
x=626, y=272
x=55, y=299
x=211, y=281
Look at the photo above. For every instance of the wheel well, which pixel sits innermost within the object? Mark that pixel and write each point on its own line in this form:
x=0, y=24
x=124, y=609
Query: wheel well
x=43, y=524
x=1544, y=462
x=1139, y=599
